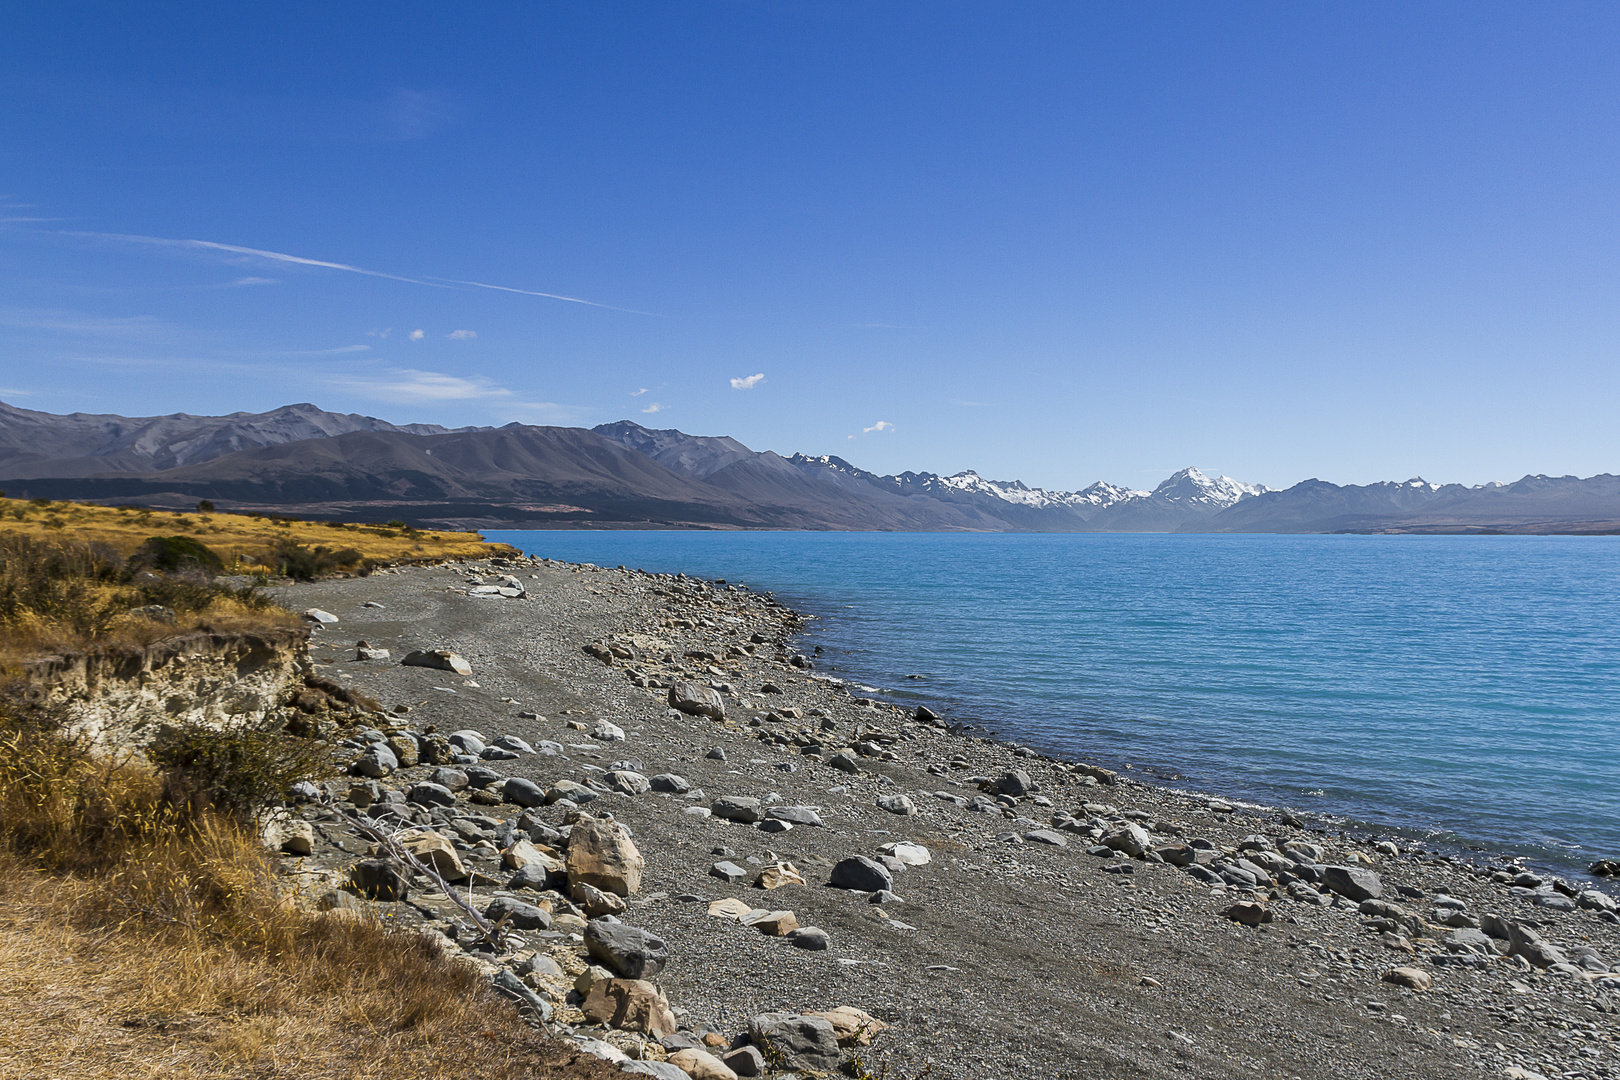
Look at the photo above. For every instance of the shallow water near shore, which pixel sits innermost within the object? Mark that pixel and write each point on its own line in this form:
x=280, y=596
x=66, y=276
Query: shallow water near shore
x=1463, y=689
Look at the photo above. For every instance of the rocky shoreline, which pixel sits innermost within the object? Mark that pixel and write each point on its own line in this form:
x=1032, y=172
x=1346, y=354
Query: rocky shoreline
x=780, y=876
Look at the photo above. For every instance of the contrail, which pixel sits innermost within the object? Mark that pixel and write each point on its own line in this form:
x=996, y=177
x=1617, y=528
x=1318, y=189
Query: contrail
x=278, y=256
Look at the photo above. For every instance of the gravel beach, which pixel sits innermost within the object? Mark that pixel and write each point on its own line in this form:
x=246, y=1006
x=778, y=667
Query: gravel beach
x=1039, y=918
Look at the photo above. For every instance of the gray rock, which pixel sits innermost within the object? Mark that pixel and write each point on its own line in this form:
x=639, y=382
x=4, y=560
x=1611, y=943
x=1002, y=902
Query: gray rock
x=521, y=792
x=510, y=986
x=811, y=938
x=498, y=753
x=606, y=732
x=512, y=742
x=696, y=700
x=861, y=874
x=737, y=808
x=378, y=761
x=745, y=1061
x=482, y=776
x=316, y=615
x=1128, y=839
x=1047, y=836
x=1471, y=941
x=844, y=763
x=1015, y=783
x=630, y=952
x=517, y=914
x=1353, y=882
x=440, y=659
x=468, y=742
x=796, y=815
x=716, y=753
x=670, y=783
x=729, y=872
x=454, y=779
x=897, y=804
x=429, y=794
x=663, y=1070
x=574, y=792
x=626, y=782
x=1555, y=902
x=803, y=1041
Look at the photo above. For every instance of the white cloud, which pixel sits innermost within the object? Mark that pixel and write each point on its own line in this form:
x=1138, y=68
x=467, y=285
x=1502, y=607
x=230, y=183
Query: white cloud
x=851, y=436
x=408, y=385
x=748, y=382
x=462, y=335
x=380, y=333
x=654, y=407
x=881, y=425
x=638, y=393
x=417, y=335
x=245, y=281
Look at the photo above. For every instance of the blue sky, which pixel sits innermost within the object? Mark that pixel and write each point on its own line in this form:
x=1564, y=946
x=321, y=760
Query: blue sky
x=1055, y=242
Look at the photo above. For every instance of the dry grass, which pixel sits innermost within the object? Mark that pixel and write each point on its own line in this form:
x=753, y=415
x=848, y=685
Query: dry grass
x=237, y=538
x=140, y=941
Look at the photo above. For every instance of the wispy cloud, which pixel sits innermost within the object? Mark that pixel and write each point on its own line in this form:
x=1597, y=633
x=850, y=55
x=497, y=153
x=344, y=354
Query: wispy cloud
x=131, y=327
x=340, y=350
x=748, y=382
x=409, y=386
x=243, y=282
x=638, y=393
x=417, y=335
x=654, y=407
x=462, y=335
x=547, y=295
x=326, y=264
x=881, y=425
x=380, y=333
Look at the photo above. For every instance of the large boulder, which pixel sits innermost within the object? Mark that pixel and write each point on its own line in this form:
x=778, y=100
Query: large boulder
x=701, y=1065
x=625, y=950
x=629, y=1005
x=737, y=808
x=437, y=852
x=1353, y=882
x=601, y=854
x=854, y=1027
x=861, y=874
x=805, y=1042
x=440, y=659
x=697, y=700
x=1128, y=839
x=521, y=792
x=517, y=914
x=1015, y=783
x=376, y=762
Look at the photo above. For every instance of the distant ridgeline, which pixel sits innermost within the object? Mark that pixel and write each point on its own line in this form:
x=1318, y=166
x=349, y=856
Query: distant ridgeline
x=301, y=459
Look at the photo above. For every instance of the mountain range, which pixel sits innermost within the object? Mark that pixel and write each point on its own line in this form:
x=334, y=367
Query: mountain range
x=304, y=461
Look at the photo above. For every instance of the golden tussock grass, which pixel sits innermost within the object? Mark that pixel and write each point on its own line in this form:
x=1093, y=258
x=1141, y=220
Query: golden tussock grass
x=234, y=536
x=140, y=941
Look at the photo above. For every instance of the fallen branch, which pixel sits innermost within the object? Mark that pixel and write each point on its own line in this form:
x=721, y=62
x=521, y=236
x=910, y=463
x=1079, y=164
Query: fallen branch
x=495, y=935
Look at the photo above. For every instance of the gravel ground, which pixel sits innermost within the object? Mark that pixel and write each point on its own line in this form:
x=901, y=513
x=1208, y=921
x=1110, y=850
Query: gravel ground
x=1005, y=957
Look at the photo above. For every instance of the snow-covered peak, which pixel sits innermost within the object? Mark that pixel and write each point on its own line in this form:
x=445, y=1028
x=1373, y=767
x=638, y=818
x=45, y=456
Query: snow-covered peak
x=1190, y=486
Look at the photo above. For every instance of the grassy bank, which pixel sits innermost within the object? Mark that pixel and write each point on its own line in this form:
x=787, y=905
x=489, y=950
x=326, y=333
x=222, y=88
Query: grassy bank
x=242, y=541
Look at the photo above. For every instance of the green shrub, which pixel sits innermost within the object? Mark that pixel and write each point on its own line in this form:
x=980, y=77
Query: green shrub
x=303, y=563
x=235, y=772
x=172, y=554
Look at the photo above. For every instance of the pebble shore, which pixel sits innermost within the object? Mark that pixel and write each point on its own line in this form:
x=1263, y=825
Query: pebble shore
x=784, y=876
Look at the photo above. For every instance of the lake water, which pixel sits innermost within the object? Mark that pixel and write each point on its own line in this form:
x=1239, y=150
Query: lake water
x=1460, y=689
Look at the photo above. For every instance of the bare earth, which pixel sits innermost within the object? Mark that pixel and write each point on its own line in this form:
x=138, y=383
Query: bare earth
x=1005, y=958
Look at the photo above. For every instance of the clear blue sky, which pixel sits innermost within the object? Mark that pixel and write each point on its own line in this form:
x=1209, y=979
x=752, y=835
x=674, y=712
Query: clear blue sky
x=1057, y=242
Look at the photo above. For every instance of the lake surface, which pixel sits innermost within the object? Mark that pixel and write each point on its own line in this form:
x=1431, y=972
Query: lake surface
x=1461, y=689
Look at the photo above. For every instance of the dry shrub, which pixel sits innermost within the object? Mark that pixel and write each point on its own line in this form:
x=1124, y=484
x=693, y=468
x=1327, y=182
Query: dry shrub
x=197, y=956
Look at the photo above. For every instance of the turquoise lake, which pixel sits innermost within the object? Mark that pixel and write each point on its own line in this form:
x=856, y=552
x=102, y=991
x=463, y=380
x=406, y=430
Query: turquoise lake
x=1465, y=690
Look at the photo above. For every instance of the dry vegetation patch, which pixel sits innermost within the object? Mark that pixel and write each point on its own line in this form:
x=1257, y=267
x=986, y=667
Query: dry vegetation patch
x=144, y=937
x=241, y=540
